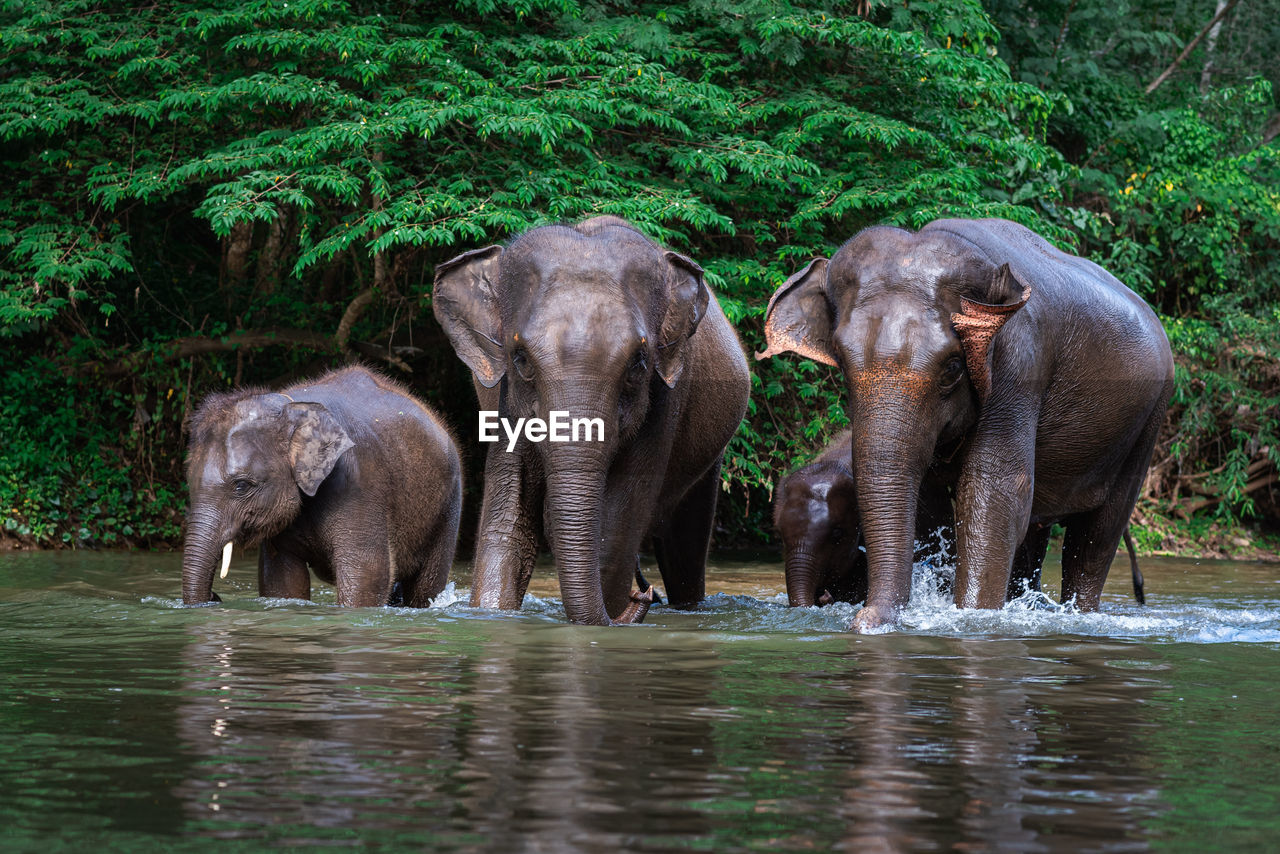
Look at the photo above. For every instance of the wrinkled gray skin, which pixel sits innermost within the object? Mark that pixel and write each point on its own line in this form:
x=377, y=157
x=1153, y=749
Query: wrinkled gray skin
x=1041, y=375
x=598, y=321
x=815, y=512
x=348, y=474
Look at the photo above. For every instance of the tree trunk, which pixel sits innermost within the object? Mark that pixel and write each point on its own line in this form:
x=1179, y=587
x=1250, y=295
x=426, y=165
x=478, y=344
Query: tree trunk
x=1210, y=43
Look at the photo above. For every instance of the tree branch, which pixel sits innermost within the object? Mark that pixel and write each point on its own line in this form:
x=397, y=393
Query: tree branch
x=1186, y=508
x=1272, y=130
x=355, y=308
x=1186, y=51
x=1062, y=31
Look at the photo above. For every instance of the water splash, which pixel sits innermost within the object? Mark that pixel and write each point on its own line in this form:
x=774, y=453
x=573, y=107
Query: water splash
x=759, y=607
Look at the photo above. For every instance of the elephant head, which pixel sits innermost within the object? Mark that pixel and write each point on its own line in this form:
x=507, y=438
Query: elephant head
x=252, y=459
x=816, y=515
x=912, y=321
x=591, y=320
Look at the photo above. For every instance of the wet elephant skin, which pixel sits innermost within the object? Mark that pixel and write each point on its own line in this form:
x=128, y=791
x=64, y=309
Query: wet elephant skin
x=347, y=474
x=1038, y=373
x=597, y=321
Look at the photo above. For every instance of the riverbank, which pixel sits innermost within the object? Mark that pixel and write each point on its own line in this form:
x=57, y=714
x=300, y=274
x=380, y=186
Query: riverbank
x=1207, y=539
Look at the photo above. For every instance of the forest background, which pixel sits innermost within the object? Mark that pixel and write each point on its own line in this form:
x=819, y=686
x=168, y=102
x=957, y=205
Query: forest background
x=201, y=194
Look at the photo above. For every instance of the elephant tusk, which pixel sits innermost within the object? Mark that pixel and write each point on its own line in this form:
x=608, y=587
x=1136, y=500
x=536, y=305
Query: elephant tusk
x=226, y=560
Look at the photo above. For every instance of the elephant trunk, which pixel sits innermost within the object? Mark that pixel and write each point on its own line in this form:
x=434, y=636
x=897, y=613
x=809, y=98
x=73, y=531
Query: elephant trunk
x=204, y=548
x=888, y=523
x=575, y=493
x=890, y=454
x=803, y=577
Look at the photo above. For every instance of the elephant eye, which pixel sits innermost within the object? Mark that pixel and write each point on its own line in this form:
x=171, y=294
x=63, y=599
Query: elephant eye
x=952, y=371
x=242, y=487
x=638, y=369
x=520, y=360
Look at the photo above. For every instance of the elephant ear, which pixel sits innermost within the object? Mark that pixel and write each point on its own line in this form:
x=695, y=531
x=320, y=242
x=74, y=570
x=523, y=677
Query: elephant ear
x=798, y=318
x=978, y=322
x=687, y=301
x=464, y=303
x=315, y=444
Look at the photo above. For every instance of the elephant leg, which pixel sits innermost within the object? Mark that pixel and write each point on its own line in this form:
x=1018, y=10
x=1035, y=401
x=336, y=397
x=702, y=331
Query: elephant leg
x=363, y=570
x=993, y=511
x=432, y=576
x=282, y=574
x=507, y=543
x=1092, y=538
x=682, y=540
x=1028, y=560
x=623, y=531
x=1088, y=549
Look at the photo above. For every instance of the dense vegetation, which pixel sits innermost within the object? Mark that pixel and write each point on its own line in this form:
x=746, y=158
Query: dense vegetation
x=241, y=191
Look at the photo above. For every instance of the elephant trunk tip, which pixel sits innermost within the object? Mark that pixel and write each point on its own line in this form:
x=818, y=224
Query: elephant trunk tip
x=638, y=608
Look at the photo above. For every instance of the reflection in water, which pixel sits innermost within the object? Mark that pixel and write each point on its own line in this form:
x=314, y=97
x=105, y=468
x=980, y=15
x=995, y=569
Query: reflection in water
x=933, y=742
x=546, y=734
x=312, y=728
x=743, y=726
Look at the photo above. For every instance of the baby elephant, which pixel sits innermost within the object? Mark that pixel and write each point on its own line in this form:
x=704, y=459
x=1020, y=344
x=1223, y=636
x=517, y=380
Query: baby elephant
x=348, y=474
x=816, y=514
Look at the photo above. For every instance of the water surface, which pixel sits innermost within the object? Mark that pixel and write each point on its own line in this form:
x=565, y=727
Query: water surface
x=129, y=723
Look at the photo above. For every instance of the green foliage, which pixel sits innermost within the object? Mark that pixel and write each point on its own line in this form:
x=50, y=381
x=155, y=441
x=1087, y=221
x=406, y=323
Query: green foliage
x=257, y=163
x=67, y=478
x=1177, y=195
x=1199, y=215
x=1225, y=411
x=183, y=178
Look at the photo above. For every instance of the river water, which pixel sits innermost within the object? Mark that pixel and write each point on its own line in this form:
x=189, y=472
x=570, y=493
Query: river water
x=129, y=723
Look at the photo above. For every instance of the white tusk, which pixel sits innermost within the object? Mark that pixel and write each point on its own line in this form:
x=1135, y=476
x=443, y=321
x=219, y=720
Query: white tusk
x=226, y=560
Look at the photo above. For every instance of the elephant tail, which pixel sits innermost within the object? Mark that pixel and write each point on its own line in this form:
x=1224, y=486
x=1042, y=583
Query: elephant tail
x=1138, y=583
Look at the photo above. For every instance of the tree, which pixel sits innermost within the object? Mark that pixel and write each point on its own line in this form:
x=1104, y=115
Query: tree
x=223, y=177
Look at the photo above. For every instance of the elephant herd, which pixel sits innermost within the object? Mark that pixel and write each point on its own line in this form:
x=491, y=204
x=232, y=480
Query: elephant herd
x=994, y=386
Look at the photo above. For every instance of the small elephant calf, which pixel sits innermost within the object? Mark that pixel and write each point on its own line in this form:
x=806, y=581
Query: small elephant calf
x=348, y=474
x=815, y=512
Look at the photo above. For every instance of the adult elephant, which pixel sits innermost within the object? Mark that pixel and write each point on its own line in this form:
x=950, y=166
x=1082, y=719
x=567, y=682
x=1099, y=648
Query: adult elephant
x=348, y=474
x=1042, y=376
x=597, y=321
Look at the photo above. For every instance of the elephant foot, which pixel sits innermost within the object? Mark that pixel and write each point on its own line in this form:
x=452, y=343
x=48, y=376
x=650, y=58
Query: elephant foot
x=872, y=618
x=639, y=607
x=826, y=598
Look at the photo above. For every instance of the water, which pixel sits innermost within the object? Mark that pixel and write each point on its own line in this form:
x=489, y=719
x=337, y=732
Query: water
x=127, y=723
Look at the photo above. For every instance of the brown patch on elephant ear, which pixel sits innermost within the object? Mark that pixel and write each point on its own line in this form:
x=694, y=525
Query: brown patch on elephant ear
x=797, y=319
x=315, y=445
x=977, y=324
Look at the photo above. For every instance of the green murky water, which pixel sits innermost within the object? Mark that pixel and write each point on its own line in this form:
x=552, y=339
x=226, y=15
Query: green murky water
x=128, y=723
